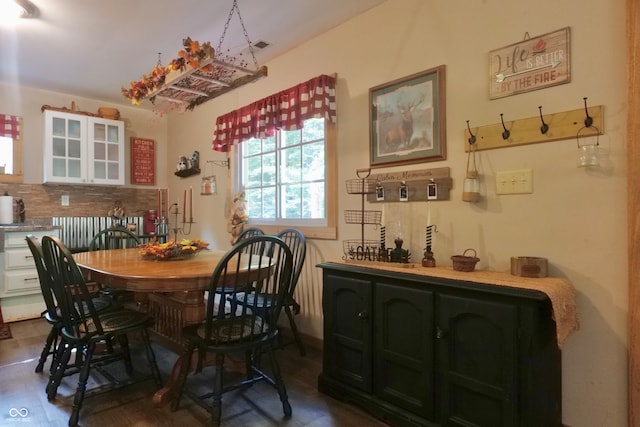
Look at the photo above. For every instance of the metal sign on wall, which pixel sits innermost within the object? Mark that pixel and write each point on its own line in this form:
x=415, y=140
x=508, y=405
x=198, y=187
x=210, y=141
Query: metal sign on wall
x=532, y=64
x=143, y=161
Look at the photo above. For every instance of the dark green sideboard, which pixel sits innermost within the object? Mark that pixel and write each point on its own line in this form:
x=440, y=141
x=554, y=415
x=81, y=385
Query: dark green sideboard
x=416, y=350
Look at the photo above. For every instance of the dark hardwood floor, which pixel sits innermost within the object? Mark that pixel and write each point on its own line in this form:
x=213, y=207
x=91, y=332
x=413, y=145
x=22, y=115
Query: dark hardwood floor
x=23, y=400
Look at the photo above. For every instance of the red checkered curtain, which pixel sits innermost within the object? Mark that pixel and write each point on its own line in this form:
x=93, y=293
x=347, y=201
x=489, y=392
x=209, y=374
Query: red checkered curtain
x=286, y=110
x=9, y=126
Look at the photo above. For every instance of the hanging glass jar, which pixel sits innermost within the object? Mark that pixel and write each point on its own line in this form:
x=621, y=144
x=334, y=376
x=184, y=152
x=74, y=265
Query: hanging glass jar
x=471, y=186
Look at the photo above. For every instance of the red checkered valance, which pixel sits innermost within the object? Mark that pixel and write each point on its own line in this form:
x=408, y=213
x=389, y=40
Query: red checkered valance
x=9, y=126
x=286, y=110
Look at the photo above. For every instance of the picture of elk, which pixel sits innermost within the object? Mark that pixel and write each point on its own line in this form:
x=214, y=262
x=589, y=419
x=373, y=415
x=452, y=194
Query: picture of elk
x=399, y=134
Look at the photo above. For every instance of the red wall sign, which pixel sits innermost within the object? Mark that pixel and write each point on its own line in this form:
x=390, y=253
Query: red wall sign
x=143, y=161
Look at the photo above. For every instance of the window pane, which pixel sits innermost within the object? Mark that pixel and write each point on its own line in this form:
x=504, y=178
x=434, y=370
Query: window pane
x=313, y=130
x=99, y=133
x=74, y=148
x=313, y=200
x=113, y=151
x=74, y=168
x=6, y=154
x=269, y=203
x=99, y=170
x=59, y=167
x=291, y=169
x=254, y=202
x=313, y=165
x=269, y=169
x=114, y=170
x=269, y=144
x=290, y=137
x=74, y=129
x=58, y=126
x=292, y=201
x=112, y=133
x=253, y=172
x=59, y=147
x=252, y=146
x=99, y=151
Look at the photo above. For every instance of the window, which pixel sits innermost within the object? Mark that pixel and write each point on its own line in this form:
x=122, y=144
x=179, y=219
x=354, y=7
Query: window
x=289, y=179
x=6, y=155
x=11, y=149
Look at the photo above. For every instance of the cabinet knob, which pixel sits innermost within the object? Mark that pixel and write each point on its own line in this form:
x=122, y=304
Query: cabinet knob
x=363, y=315
x=440, y=333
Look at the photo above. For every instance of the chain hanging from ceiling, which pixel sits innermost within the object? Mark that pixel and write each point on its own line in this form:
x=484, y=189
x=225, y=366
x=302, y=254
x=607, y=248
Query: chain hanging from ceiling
x=198, y=75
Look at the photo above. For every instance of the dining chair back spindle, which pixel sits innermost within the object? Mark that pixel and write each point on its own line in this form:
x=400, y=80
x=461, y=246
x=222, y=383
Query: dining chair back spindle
x=83, y=327
x=249, y=329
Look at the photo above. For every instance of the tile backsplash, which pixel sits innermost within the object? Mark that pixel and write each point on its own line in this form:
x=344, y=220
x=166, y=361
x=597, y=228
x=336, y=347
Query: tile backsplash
x=45, y=201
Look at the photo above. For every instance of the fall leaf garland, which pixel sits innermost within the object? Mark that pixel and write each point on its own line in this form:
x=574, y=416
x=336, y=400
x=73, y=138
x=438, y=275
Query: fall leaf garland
x=192, y=54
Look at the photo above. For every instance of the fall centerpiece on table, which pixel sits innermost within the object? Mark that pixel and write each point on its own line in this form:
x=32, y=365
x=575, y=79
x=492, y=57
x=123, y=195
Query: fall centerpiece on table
x=172, y=250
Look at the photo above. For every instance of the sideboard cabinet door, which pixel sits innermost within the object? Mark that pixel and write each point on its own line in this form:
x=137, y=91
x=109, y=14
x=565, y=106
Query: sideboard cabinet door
x=477, y=361
x=403, y=348
x=347, y=352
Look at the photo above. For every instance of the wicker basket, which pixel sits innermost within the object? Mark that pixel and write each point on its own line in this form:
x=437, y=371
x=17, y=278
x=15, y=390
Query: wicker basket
x=465, y=263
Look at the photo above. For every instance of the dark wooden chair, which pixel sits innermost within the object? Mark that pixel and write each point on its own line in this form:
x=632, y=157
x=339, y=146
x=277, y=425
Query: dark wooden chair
x=52, y=314
x=114, y=238
x=83, y=327
x=250, y=330
x=297, y=243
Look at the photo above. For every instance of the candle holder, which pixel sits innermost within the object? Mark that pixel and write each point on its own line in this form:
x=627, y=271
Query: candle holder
x=186, y=225
x=429, y=260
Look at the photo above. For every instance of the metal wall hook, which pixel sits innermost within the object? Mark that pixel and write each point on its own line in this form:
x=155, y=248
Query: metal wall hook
x=588, y=121
x=506, y=134
x=545, y=127
x=472, y=138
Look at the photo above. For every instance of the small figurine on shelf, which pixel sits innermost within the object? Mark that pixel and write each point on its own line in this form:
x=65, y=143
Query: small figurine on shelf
x=116, y=213
x=182, y=163
x=239, y=216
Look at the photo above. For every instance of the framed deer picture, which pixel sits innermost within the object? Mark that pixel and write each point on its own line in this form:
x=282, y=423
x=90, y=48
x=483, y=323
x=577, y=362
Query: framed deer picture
x=407, y=120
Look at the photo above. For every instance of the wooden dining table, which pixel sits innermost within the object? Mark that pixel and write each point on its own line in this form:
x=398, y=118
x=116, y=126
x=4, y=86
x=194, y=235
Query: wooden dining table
x=171, y=291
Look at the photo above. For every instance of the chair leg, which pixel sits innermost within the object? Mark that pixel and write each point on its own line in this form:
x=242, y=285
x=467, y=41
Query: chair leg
x=49, y=348
x=124, y=345
x=63, y=355
x=182, y=375
x=216, y=407
x=294, y=331
x=277, y=378
x=82, y=386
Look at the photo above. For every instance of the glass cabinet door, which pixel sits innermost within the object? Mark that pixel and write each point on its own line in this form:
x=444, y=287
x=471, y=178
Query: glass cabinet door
x=106, y=138
x=64, y=154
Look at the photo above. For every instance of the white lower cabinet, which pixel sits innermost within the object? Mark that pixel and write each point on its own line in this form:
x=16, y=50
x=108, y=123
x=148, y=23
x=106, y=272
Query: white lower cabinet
x=20, y=294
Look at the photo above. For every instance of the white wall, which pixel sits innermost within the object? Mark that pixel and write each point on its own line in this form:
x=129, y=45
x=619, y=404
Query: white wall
x=575, y=218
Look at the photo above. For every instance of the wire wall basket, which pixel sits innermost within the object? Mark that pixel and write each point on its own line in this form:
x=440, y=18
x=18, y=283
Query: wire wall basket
x=361, y=186
x=362, y=217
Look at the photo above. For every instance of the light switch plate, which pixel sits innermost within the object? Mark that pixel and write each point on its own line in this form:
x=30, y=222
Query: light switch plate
x=65, y=200
x=514, y=182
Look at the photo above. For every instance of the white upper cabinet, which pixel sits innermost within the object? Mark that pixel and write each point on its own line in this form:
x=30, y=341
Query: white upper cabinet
x=81, y=149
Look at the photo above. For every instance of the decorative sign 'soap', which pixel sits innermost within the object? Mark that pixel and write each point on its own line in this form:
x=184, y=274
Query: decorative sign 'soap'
x=532, y=64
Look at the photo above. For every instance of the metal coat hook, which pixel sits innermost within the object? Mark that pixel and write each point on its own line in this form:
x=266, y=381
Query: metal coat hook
x=545, y=127
x=506, y=134
x=472, y=138
x=588, y=121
